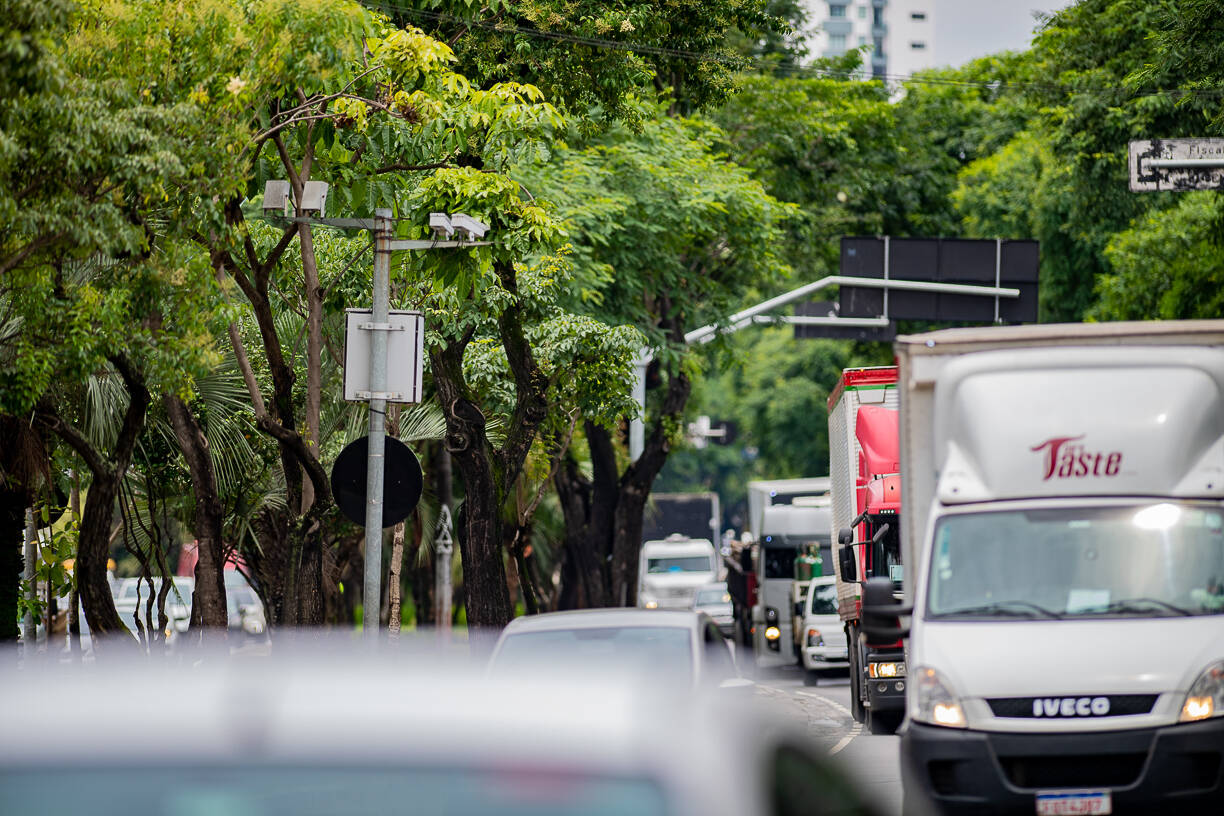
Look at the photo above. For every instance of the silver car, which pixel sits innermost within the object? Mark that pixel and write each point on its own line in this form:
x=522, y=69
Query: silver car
x=339, y=731
x=715, y=601
x=658, y=645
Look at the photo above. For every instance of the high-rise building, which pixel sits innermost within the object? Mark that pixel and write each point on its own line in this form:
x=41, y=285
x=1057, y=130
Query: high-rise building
x=901, y=33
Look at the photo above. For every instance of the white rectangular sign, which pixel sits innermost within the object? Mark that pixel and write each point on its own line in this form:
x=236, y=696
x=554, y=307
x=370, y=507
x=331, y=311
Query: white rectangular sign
x=1176, y=164
x=405, y=355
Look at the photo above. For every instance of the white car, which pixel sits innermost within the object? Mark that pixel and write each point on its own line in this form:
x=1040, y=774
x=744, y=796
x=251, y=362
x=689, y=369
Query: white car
x=715, y=601
x=667, y=647
x=823, y=643
x=364, y=733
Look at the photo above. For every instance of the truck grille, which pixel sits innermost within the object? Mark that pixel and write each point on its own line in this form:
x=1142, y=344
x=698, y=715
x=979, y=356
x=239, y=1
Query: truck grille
x=1120, y=705
x=1085, y=771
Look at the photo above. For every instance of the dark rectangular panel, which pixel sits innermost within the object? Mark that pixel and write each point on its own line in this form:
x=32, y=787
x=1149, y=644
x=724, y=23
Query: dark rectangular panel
x=946, y=260
x=915, y=259
x=862, y=258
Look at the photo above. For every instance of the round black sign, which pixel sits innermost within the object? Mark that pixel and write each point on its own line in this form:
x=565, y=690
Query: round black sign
x=401, y=481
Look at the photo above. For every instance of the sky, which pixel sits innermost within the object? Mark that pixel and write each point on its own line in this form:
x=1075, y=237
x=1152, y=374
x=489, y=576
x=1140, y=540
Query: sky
x=967, y=29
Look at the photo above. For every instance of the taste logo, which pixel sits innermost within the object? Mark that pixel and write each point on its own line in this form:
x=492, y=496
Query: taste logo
x=1066, y=460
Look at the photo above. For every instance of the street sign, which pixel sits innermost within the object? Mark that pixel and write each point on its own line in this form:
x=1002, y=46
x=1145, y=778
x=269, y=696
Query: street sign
x=402, y=485
x=1176, y=164
x=405, y=354
x=984, y=264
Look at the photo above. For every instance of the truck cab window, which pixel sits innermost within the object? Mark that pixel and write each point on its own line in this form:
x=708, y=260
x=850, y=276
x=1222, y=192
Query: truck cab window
x=779, y=562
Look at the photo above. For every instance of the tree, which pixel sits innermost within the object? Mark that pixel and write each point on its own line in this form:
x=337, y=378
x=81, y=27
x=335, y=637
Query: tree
x=1168, y=266
x=667, y=236
x=84, y=176
x=598, y=58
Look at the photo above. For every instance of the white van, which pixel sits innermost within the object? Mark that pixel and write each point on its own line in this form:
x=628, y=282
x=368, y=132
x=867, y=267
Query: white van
x=1064, y=491
x=671, y=570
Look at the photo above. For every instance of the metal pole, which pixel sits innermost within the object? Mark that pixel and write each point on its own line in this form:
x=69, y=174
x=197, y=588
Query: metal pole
x=372, y=594
x=637, y=428
x=29, y=629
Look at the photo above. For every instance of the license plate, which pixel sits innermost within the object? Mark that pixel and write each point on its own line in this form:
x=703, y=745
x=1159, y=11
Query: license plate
x=1073, y=802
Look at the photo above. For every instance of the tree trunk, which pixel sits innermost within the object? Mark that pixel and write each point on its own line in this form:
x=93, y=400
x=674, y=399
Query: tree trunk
x=12, y=530
x=209, y=593
x=582, y=577
x=478, y=526
x=92, y=554
x=634, y=489
x=94, y=541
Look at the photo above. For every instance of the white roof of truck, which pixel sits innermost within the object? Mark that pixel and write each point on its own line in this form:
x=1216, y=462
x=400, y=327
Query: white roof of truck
x=1140, y=332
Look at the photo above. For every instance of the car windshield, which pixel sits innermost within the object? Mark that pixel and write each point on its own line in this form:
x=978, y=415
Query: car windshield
x=663, y=651
x=712, y=597
x=174, y=790
x=824, y=600
x=682, y=563
x=1152, y=560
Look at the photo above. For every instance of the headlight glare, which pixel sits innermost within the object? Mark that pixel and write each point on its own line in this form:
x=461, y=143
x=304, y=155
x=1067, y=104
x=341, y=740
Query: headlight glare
x=773, y=633
x=1206, y=696
x=934, y=701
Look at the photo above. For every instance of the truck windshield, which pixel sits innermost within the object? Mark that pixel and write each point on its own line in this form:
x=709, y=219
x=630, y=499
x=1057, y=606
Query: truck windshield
x=1149, y=560
x=686, y=563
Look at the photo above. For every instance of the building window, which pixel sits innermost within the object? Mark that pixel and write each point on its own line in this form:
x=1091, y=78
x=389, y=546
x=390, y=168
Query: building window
x=877, y=16
x=918, y=15
x=918, y=46
x=837, y=10
x=862, y=11
x=837, y=42
x=862, y=41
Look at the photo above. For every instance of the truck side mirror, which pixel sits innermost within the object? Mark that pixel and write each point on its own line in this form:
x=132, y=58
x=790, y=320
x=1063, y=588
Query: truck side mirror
x=845, y=536
x=845, y=557
x=881, y=611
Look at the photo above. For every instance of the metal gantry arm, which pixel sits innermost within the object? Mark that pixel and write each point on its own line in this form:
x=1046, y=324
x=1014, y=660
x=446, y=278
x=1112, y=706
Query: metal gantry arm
x=758, y=314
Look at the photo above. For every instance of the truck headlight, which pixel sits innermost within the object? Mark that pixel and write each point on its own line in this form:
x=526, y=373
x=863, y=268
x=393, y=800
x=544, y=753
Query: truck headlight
x=1206, y=696
x=934, y=701
x=814, y=638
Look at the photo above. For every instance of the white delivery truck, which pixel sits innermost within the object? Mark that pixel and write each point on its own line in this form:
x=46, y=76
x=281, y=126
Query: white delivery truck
x=672, y=569
x=787, y=517
x=1063, y=538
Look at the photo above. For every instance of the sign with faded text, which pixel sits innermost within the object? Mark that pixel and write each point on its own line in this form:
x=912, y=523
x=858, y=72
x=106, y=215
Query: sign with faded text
x=1176, y=164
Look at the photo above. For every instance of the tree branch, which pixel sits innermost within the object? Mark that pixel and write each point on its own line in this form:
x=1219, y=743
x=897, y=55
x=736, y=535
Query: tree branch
x=294, y=442
x=49, y=418
x=531, y=386
x=408, y=168
x=526, y=514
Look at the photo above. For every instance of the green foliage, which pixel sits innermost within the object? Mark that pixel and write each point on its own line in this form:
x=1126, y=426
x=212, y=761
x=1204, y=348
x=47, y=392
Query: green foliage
x=1168, y=266
x=560, y=47
x=662, y=226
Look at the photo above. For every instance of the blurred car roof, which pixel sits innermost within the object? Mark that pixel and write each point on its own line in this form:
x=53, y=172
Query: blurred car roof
x=592, y=618
x=330, y=707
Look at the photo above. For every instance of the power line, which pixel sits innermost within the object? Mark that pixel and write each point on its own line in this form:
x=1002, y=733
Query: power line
x=811, y=71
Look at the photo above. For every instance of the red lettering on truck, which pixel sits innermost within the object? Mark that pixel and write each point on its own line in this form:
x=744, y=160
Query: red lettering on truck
x=1066, y=460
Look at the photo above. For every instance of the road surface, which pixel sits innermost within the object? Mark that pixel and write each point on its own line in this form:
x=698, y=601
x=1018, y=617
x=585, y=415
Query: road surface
x=874, y=760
